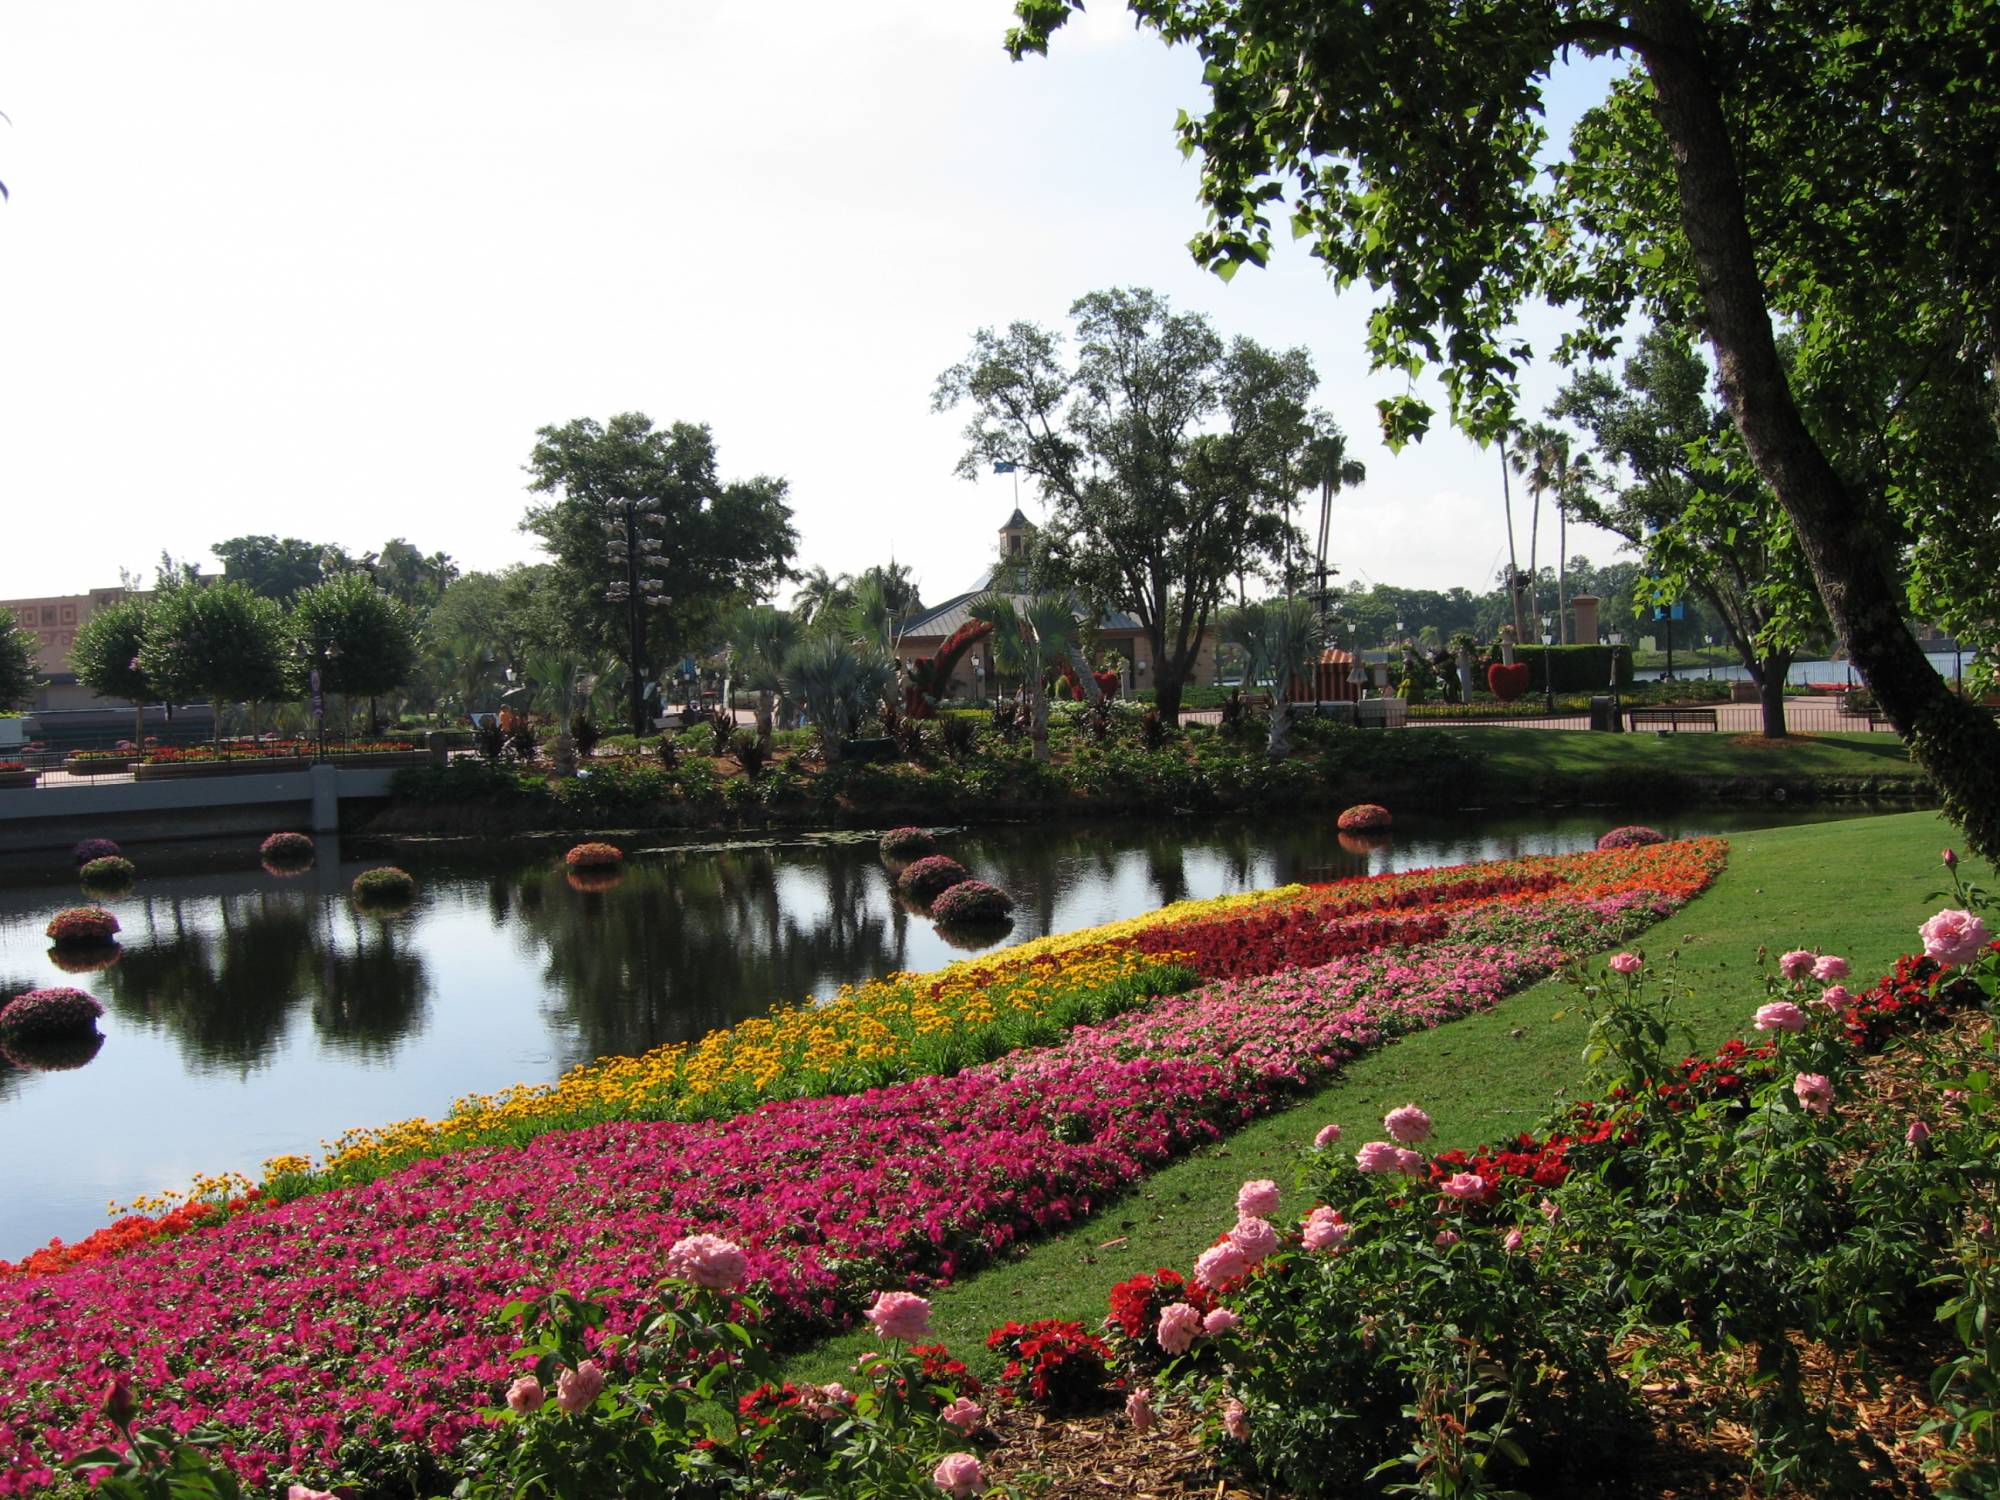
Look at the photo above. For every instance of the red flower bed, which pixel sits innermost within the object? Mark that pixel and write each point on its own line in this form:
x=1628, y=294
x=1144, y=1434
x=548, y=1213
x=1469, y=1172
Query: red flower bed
x=1052, y=1363
x=1255, y=945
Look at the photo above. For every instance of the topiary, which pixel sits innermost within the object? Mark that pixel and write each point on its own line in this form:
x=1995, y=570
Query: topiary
x=82, y=925
x=928, y=878
x=384, y=888
x=595, y=857
x=44, y=1015
x=108, y=872
x=907, y=843
x=91, y=849
x=972, y=901
x=1364, y=816
x=1631, y=837
x=286, y=849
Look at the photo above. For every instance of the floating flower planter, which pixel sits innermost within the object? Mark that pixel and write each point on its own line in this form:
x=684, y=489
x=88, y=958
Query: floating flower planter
x=44, y=1015
x=384, y=890
x=972, y=902
x=907, y=843
x=109, y=872
x=1365, y=817
x=91, y=849
x=1631, y=837
x=81, y=925
x=595, y=857
x=930, y=877
x=287, y=849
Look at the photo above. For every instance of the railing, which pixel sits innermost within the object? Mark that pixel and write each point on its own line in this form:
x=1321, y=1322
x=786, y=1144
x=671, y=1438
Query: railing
x=45, y=767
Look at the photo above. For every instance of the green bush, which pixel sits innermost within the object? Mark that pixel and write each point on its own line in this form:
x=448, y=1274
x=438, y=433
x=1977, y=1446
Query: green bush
x=1578, y=669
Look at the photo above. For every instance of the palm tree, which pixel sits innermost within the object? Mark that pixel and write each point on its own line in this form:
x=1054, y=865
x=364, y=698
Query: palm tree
x=1328, y=466
x=1545, y=460
x=820, y=593
x=840, y=685
x=1026, y=644
x=761, y=639
x=1282, y=639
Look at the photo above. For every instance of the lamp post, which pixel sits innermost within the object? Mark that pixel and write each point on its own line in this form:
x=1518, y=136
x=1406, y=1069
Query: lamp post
x=636, y=555
x=1548, y=663
x=1616, y=639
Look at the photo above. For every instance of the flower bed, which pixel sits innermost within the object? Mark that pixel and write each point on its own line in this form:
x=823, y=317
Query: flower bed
x=383, y=1290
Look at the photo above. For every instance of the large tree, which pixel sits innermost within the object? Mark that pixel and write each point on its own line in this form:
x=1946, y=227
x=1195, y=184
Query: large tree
x=651, y=548
x=105, y=658
x=1679, y=487
x=1170, y=458
x=279, y=567
x=18, y=675
x=1827, y=167
x=217, y=641
x=361, y=641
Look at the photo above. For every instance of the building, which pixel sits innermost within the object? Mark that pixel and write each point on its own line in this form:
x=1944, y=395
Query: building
x=53, y=622
x=923, y=633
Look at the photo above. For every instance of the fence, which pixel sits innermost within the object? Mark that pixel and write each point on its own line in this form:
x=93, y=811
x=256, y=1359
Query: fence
x=46, y=766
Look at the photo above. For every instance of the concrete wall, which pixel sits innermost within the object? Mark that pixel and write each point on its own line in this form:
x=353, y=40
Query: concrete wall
x=56, y=817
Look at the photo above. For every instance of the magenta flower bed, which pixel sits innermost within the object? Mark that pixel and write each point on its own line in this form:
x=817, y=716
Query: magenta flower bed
x=319, y=1334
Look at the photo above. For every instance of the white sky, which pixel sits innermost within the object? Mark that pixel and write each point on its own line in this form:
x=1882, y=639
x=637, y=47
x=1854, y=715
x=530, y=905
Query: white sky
x=322, y=271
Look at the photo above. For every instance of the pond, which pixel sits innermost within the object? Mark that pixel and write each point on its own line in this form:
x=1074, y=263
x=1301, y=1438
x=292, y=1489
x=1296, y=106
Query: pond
x=250, y=1015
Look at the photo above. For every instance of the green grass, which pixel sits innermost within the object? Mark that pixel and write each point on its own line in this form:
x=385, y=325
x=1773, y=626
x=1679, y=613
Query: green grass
x=1858, y=888
x=1524, y=752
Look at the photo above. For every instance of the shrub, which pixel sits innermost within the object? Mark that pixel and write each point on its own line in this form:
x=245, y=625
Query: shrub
x=669, y=752
x=109, y=872
x=751, y=752
x=1631, y=836
x=584, y=733
x=960, y=735
x=1052, y=1363
x=907, y=843
x=385, y=884
x=91, y=849
x=490, y=738
x=1364, y=816
x=286, y=849
x=594, y=857
x=972, y=901
x=82, y=924
x=42, y=1015
x=929, y=878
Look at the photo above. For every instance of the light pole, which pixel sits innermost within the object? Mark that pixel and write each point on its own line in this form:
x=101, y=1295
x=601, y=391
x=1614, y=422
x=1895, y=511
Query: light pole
x=1548, y=663
x=1616, y=639
x=636, y=555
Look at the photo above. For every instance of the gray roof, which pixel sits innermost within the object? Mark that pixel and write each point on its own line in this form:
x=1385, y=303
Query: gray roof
x=939, y=621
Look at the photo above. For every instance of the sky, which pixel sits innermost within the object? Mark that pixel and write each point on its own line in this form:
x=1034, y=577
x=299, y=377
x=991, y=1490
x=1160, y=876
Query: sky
x=322, y=271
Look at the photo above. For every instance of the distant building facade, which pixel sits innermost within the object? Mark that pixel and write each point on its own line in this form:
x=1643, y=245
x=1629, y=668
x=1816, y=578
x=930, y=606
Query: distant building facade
x=924, y=632
x=53, y=622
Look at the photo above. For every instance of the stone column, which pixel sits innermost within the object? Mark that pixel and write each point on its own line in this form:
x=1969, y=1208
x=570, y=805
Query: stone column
x=1585, y=606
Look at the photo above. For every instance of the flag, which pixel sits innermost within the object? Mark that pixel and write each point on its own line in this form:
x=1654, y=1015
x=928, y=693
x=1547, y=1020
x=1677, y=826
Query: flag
x=1003, y=466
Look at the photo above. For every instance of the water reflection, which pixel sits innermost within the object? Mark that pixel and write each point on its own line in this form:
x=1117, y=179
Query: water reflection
x=249, y=1016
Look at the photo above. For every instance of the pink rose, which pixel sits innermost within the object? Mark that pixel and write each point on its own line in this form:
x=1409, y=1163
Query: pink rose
x=1445, y=1239
x=709, y=1261
x=1220, y=1264
x=576, y=1389
x=1835, y=997
x=1179, y=1323
x=900, y=1315
x=1324, y=1230
x=1259, y=1198
x=1550, y=1210
x=1512, y=1242
x=1626, y=963
x=1953, y=937
x=959, y=1474
x=307, y=1492
x=1780, y=1015
x=1329, y=1135
x=1464, y=1186
x=1797, y=964
x=1220, y=1320
x=1236, y=1420
x=1918, y=1134
x=1139, y=1411
x=1815, y=1091
x=1255, y=1238
x=1950, y=860
x=826, y=1402
x=1829, y=966
x=1378, y=1156
x=1411, y=1163
x=963, y=1416
x=1407, y=1125
x=525, y=1395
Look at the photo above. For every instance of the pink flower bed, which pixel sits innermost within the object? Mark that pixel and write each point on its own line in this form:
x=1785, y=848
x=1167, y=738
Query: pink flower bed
x=319, y=1334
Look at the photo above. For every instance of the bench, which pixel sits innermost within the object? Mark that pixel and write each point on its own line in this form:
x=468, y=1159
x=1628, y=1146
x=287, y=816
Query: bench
x=1257, y=703
x=1672, y=718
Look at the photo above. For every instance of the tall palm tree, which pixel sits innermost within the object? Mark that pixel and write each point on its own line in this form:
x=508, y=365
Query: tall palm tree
x=820, y=593
x=1026, y=644
x=1328, y=466
x=1545, y=460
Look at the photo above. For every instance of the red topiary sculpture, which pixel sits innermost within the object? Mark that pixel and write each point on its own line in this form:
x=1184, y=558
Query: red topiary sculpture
x=1507, y=681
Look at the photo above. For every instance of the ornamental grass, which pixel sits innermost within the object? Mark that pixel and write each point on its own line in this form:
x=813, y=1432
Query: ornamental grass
x=82, y=925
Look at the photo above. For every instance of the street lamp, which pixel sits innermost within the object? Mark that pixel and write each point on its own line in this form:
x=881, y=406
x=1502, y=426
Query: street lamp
x=1616, y=639
x=1548, y=662
x=637, y=556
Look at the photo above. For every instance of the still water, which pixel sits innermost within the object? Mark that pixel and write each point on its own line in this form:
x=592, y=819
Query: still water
x=1802, y=671
x=250, y=1015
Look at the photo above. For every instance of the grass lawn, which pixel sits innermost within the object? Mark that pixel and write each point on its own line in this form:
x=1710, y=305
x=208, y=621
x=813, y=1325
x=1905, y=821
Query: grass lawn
x=1524, y=752
x=1859, y=888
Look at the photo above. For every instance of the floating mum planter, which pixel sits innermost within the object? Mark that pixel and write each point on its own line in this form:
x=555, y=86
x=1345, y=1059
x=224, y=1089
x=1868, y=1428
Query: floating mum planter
x=1365, y=817
x=907, y=843
x=287, y=850
x=91, y=849
x=928, y=878
x=384, y=889
x=51, y=1014
x=972, y=902
x=595, y=857
x=82, y=925
x=108, y=872
x=1631, y=837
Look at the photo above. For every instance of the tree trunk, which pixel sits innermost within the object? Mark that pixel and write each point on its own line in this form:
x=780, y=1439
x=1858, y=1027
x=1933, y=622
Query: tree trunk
x=1038, y=716
x=1278, y=743
x=1771, y=693
x=1956, y=744
x=764, y=717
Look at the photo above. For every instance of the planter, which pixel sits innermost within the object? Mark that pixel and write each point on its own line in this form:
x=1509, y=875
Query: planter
x=18, y=779
x=99, y=765
x=195, y=769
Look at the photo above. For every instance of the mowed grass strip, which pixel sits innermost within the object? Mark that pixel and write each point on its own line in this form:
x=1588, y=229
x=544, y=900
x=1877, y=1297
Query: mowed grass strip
x=1858, y=888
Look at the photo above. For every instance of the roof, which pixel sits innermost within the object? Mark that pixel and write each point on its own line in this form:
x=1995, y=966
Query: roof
x=940, y=620
x=1018, y=522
